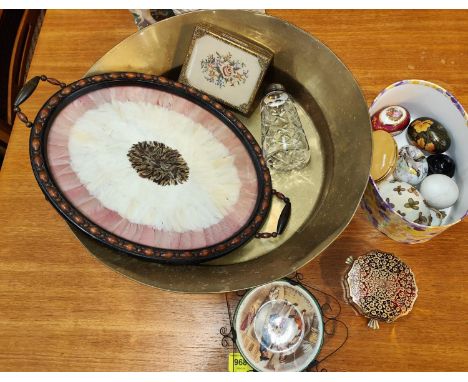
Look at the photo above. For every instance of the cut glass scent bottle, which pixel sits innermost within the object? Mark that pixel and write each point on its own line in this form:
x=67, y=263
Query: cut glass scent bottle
x=284, y=142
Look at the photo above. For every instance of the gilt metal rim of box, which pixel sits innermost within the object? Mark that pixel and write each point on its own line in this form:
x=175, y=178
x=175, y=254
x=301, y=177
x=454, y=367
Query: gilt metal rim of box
x=263, y=54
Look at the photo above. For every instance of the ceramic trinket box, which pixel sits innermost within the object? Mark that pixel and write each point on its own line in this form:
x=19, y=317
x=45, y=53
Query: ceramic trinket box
x=392, y=119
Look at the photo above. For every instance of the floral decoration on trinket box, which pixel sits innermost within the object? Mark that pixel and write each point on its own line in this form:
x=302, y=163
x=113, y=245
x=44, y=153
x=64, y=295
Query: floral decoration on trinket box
x=225, y=66
x=380, y=286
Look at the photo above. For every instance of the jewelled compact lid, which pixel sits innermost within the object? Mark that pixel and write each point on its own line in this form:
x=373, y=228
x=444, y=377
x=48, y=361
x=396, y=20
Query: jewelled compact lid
x=150, y=167
x=279, y=327
x=380, y=286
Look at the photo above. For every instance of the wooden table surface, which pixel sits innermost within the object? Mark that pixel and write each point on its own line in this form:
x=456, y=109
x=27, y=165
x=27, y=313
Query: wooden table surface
x=62, y=310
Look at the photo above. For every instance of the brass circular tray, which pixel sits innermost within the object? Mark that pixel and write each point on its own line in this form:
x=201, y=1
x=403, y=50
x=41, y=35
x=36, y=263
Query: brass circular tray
x=324, y=195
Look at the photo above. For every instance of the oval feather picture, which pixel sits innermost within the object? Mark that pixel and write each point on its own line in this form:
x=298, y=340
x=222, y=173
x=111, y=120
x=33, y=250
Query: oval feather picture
x=152, y=167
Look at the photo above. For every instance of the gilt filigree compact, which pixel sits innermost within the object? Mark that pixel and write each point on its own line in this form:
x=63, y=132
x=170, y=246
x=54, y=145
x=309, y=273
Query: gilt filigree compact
x=380, y=286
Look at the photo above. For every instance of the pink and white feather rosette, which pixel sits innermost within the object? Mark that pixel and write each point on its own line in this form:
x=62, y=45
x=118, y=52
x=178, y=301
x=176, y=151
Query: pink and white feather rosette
x=87, y=150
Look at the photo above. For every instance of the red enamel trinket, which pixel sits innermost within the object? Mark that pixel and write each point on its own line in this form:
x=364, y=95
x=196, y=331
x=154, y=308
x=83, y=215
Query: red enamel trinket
x=392, y=119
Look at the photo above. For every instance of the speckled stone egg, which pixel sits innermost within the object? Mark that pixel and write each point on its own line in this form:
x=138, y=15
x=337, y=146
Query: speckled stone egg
x=392, y=119
x=437, y=217
x=429, y=135
x=439, y=191
x=411, y=166
x=405, y=200
x=441, y=164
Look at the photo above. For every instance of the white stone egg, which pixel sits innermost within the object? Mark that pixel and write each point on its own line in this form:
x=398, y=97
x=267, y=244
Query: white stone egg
x=439, y=191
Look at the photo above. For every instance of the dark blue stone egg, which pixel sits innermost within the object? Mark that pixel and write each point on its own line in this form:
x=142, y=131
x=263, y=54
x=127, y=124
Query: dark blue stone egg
x=441, y=164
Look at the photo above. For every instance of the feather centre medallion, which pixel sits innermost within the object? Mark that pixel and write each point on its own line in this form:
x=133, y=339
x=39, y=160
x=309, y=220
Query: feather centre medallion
x=159, y=163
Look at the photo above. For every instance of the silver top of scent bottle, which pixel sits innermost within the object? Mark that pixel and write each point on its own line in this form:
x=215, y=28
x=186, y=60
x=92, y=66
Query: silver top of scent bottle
x=274, y=87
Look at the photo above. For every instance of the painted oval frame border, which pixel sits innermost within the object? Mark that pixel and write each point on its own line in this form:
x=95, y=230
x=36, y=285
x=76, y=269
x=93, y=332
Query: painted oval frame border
x=38, y=158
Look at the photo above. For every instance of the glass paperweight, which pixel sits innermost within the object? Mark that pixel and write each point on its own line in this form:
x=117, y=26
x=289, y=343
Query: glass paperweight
x=380, y=286
x=279, y=327
x=284, y=142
